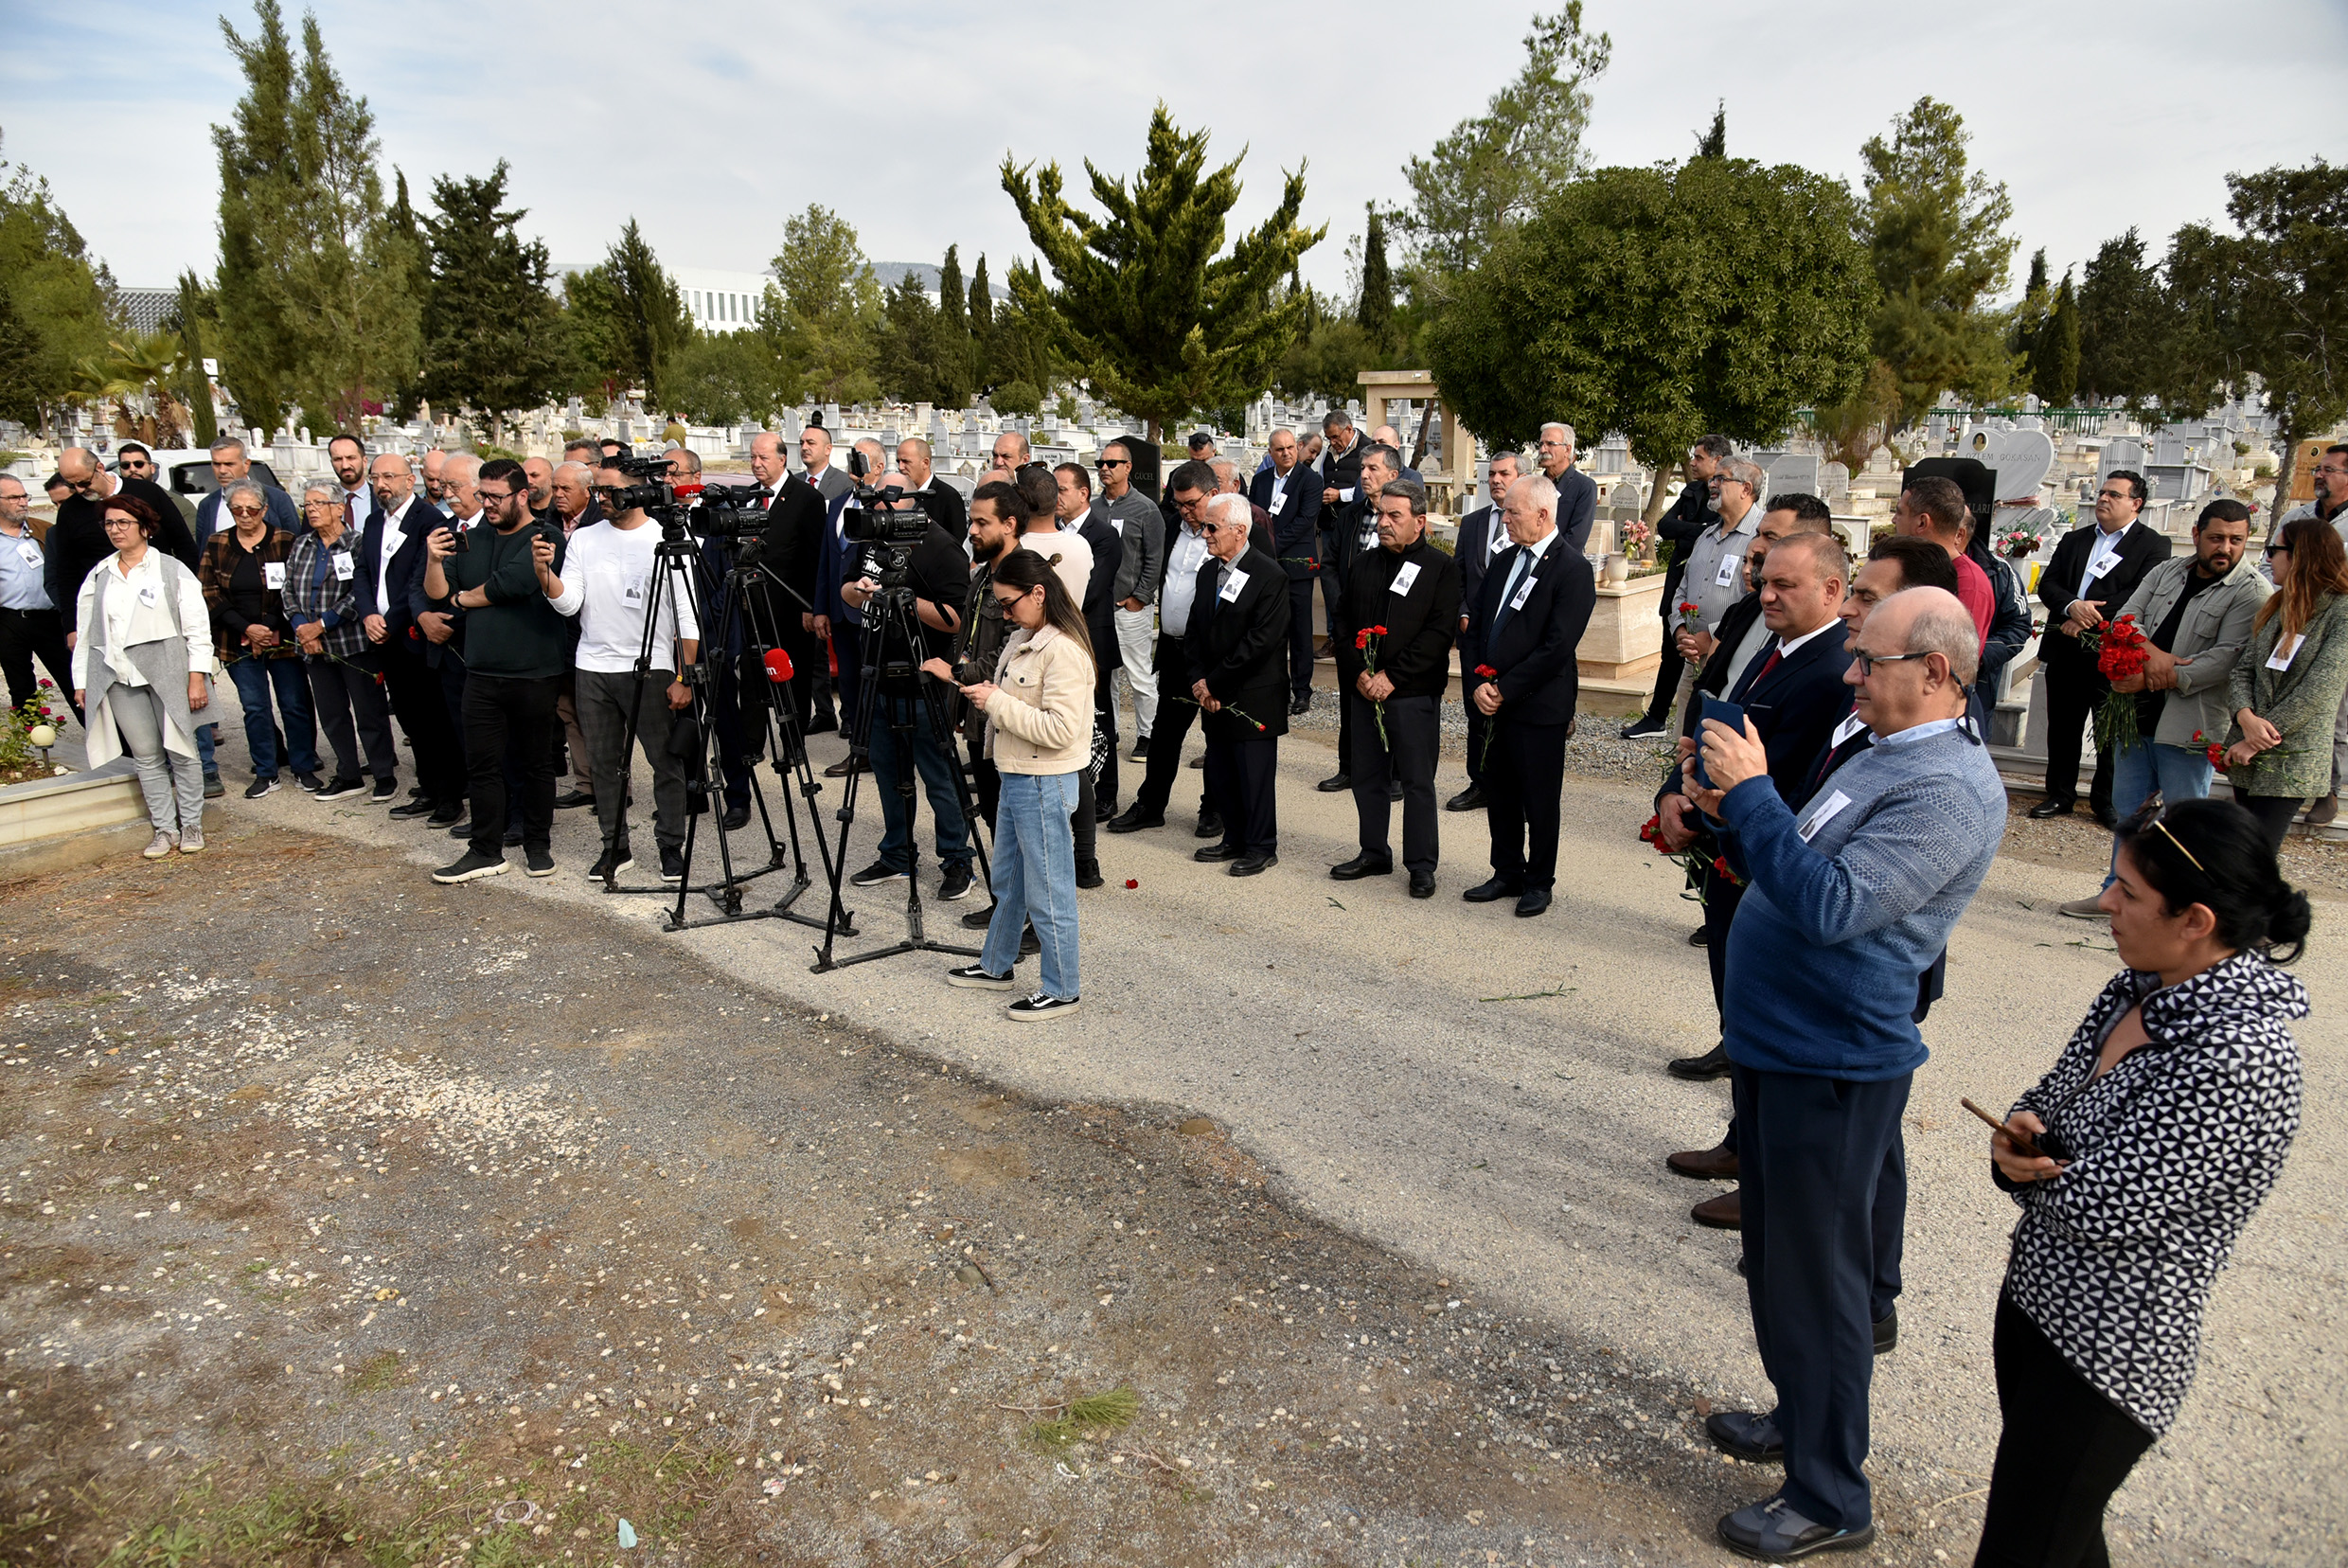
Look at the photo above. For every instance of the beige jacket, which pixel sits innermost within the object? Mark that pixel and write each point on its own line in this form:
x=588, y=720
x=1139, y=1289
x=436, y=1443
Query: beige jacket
x=1040, y=718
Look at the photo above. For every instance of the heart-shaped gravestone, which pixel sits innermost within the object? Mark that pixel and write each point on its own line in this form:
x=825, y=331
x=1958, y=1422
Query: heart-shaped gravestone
x=2020, y=459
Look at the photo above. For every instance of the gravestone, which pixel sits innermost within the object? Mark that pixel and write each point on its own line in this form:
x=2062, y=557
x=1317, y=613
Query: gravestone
x=1792, y=473
x=1833, y=483
x=2021, y=458
x=1623, y=500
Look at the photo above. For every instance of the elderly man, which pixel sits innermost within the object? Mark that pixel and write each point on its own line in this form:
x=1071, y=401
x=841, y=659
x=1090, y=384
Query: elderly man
x=1185, y=555
x=1715, y=575
x=230, y=463
x=1689, y=515
x=77, y=541
x=941, y=500
x=2093, y=573
x=1348, y=534
x=390, y=569
x=436, y=463
x=1134, y=620
x=796, y=514
x=570, y=496
x=442, y=625
x=1011, y=452
x=1394, y=683
x=1578, y=493
x=586, y=450
x=1848, y=902
x=1386, y=434
x=1287, y=492
x=1482, y=535
x=1528, y=619
x=29, y=625
x=1235, y=649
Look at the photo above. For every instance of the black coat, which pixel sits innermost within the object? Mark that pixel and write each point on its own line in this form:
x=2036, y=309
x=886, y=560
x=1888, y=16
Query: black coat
x=794, y=550
x=1472, y=553
x=2142, y=550
x=1296, y=527
x=1420, y=621
x=1796, y=706
x=1533, y=650
x=947, y=509
x=1342, y=529
x=77, y=541
x=1099, y=609
x=1242, y=648
x=1713, y=680
x=406, y=573
x=1578, y=507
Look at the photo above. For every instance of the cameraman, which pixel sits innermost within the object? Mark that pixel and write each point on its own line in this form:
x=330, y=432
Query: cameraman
x=937, y=577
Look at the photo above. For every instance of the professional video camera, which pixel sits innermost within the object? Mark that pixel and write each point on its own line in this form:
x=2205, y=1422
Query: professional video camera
x=886, y=524
x=678, y=508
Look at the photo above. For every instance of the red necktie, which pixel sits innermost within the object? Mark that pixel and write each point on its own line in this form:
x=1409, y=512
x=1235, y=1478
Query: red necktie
x=1776, y=655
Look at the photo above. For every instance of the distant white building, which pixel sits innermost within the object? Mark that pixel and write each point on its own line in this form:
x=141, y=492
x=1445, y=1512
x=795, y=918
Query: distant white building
x=721, y=301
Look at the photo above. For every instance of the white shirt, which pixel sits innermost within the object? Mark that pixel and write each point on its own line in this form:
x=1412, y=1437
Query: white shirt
x=1075, y=559
x=2098, y=549
x=607, y=583
x=1918, y=732
x=1524, y=565
x=1184, y=558
x=138, y=610
x=395, y=535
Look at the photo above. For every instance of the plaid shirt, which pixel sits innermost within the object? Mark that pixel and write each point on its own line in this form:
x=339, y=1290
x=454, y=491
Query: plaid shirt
x=315, y=592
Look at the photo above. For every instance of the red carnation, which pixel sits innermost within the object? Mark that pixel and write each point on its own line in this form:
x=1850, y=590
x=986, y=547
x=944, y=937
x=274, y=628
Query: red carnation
x=1487, y=673
x=1130, y=883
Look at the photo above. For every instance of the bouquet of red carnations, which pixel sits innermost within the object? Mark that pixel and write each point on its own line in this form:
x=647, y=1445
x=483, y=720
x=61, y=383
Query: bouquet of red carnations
x=2120, y=655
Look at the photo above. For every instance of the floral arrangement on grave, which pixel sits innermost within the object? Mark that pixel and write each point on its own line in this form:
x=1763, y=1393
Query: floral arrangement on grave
x=2021, y=540
x=29, y=731
x=1636, y=538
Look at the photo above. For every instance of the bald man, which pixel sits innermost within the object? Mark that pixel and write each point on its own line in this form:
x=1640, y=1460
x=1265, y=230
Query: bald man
x=540, y=475
x=943, y=502
x=436, y=481
x=76, y=540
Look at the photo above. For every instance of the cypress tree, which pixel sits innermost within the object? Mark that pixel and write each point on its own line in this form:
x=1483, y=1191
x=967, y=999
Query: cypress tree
x=489, y=323
x=257, y=166
x=1714, y=142
x=982, y=317
x=1376, y=311
x=952, y=374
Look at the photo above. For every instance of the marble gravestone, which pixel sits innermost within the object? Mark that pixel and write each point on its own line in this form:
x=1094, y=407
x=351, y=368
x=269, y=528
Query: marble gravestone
x=2020, y=459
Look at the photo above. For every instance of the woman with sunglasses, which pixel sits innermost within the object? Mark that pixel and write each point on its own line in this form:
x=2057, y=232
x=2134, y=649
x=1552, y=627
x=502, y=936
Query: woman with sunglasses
x=2159, y=1130
x=141, y=667
x=243, y=579
x=1039, y=711
x=2288, y=685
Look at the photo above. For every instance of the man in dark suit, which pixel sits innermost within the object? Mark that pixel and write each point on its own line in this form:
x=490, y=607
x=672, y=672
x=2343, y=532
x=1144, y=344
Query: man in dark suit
x=796, y=512
x=1578, y=493
x=816, y=458
x=1679, y=528
x=1290, y=493
x=1236, y=648
x=230, y=463
x=1530, y=614
x=390, y=568
x=2095, y=570
x=940, y=499
x=1482, y=536
x=1339, y=467
x=1347, y=535
x=1411, y=589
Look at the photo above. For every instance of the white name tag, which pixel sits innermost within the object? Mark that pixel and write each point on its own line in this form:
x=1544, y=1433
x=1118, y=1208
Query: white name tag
x=344, y=567
x=1846, y=729
x=1523, y=593
x=29, y=553
x=1824, y=814
x=2102, y=566
x=632, y=592
x=273, y=573
x=149, y=597
x=1279, y=499
x=1727, y=573
x=2284, y=653
x=1345, y=495
x=1403, y=578
x=1232, y=585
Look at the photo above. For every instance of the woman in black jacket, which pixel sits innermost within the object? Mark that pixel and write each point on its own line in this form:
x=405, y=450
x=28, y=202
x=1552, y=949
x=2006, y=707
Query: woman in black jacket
x=2158, y=1132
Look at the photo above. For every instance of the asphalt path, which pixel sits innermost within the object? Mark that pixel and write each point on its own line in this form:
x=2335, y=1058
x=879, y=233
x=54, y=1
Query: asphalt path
x=1485, y=1095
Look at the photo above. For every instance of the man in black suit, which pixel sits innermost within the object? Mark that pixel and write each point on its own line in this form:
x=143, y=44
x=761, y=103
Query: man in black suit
x=77, y=541
x=943, y=502
x=796, y=510
x=1578, y=493
x=2095, y=570
x=1237, y=650
x=1411, y=589
x=1339, y=467
x=1290, y=493
x=1679, y=527
x=391, y=564
x=1529, y=616
x=1482, y=536
x=1346, y=536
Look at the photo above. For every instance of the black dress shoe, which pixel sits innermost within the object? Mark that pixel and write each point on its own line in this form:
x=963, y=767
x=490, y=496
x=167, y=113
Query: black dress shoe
x=2051, y=807
x=1493, y=891
x=1334, y=782
x=2107, y=819
x=1701, y=1069
x=576, y=798
x=1133, y=819
x=1532, y=901
x=1210, y=826
x=1887, y=1333
x=735, y=819
x=979, y=920
x=411, y=809
x=822, y=724
x=1700, y=938
x=1247, y=866
x=1422, y=884
x=1300, y=705
x=1469, y=799
x=1360, y=866
x=1716, y=1163
x=1104, y=810
x=1217, y=852
x=1088, y=873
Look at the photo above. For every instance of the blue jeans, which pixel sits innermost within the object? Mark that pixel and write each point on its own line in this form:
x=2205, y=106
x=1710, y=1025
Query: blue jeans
x=2180, y=772
x=1034, y=877
x=933, y=758
x=254, y=677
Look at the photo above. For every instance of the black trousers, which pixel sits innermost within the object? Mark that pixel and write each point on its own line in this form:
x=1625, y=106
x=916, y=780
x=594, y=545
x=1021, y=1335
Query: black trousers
x=2064, y=1451
x=1811, y=1156
x=1412, y=736
x=422, y=709
x=1104, y=790
x=1165, y=762
x=1721, y=897
x=986, y=782
x=28, y=634
x=1523, y=782
x=2071, y=692
x=2274, y=814
x=1300, y=636
x=1479, y=727
x=1239, y=776
x=737, y=714
x=510, y=723
x=351, y=708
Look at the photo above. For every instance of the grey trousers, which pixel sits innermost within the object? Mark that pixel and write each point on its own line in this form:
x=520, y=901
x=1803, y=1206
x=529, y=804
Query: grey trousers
x=601, y=700
x=172, y=784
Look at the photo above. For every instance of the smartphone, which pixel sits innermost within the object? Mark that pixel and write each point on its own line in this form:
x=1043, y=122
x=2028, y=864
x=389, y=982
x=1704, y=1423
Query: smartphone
x=1730, y=714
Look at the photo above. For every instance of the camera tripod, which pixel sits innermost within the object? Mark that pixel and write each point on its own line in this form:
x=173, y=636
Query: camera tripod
x=676, y=581
x=891, y=623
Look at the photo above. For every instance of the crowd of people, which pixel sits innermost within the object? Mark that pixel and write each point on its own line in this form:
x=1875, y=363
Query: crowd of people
x=1831, y=791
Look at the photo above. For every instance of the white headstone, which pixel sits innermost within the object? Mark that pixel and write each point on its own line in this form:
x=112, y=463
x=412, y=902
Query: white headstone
x=2021, y=458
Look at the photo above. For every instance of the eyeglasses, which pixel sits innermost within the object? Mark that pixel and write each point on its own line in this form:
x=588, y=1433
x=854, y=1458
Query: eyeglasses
x=2114, y=495
x=1867, y=662
x=494, y=496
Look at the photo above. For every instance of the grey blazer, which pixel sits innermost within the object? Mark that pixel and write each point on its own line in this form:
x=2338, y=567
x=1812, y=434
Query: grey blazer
x=2215, y=630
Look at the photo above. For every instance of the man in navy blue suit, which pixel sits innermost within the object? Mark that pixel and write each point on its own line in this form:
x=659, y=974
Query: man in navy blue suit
x=1290, y=493
x=1530, y=614
x=1578, y=493
x=391, y=565
x=1482, y=535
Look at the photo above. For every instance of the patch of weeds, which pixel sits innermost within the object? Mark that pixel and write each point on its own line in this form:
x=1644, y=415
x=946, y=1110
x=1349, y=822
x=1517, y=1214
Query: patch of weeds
x=377, y=1373
x=1087, y=1417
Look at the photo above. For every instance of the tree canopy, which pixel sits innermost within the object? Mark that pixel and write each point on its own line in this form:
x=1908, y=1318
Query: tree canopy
x=492, y=329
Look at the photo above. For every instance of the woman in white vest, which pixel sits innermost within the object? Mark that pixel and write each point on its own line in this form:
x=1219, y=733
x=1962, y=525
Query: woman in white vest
x=142, y=666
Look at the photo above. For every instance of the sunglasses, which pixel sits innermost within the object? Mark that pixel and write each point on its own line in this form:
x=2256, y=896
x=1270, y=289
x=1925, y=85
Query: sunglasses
x=248, y=511
x=1867, y=662
x=1112, y=462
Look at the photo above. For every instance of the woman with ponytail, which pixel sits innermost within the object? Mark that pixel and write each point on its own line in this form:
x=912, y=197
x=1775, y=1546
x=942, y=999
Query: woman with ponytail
x=2137, y=1161
x=1039, y=711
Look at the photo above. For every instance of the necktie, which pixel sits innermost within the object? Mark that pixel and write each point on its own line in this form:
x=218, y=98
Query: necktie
x=1777, y=656
x=766, y=497
x=1517, y=575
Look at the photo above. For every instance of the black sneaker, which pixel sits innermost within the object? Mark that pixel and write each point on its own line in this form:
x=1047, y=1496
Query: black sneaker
x=1645, y=727
x=342, y=789
x=1036, y=1008
x=470, y=868
x=956, y=886
x=261, y=786
x=461, y=828
x=611, y=864
x=979, y=920
x=672, y=866
x=385, y=789
x=540, y=862
x=875, y=874
x=213, y=788
x=974, y=977
x=309, y=781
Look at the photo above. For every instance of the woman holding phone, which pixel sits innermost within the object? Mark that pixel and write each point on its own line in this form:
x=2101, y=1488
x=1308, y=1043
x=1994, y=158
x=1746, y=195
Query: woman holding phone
x=1039, y=711
x=2167, y=1118
x=2288, y=682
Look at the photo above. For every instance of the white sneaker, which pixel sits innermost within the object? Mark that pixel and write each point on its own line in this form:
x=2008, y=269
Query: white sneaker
x=164, y=843
x=191, y=841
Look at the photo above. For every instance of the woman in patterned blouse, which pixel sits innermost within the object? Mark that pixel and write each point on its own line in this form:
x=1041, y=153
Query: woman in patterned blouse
x=2159, y=1130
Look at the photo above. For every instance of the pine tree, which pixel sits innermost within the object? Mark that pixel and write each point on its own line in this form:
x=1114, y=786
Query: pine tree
x=1375, y=312
x=982, y=318
x=1714, y=142
x=1161, y=319
x=2126, y=324
x=489, y=322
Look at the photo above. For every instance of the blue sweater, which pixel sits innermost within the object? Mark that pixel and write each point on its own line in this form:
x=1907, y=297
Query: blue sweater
x=1832, y=932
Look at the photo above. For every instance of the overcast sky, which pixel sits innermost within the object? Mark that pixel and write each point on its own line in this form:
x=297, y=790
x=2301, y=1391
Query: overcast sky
x=711, y=121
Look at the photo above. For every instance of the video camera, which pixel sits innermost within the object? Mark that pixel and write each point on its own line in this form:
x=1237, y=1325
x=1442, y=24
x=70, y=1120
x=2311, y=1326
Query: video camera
x=691, y=506
x=886, y=524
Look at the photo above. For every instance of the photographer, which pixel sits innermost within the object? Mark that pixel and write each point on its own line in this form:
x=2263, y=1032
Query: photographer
x=936, y=575
x=608, y=585
x=516, y=649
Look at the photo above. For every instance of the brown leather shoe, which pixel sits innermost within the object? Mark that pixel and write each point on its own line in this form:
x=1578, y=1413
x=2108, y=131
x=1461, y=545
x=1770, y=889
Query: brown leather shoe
x=2322, y=810
x=1716, y=1163
x=1726, y=1212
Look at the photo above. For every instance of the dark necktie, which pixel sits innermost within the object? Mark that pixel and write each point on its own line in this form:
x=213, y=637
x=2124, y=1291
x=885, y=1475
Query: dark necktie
x=1507, y=597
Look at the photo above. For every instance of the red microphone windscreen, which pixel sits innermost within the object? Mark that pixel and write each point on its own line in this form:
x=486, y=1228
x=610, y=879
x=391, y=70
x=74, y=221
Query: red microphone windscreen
x=779, y=667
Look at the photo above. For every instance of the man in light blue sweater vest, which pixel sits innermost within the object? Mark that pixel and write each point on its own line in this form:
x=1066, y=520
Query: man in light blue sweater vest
x=1848, y=902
